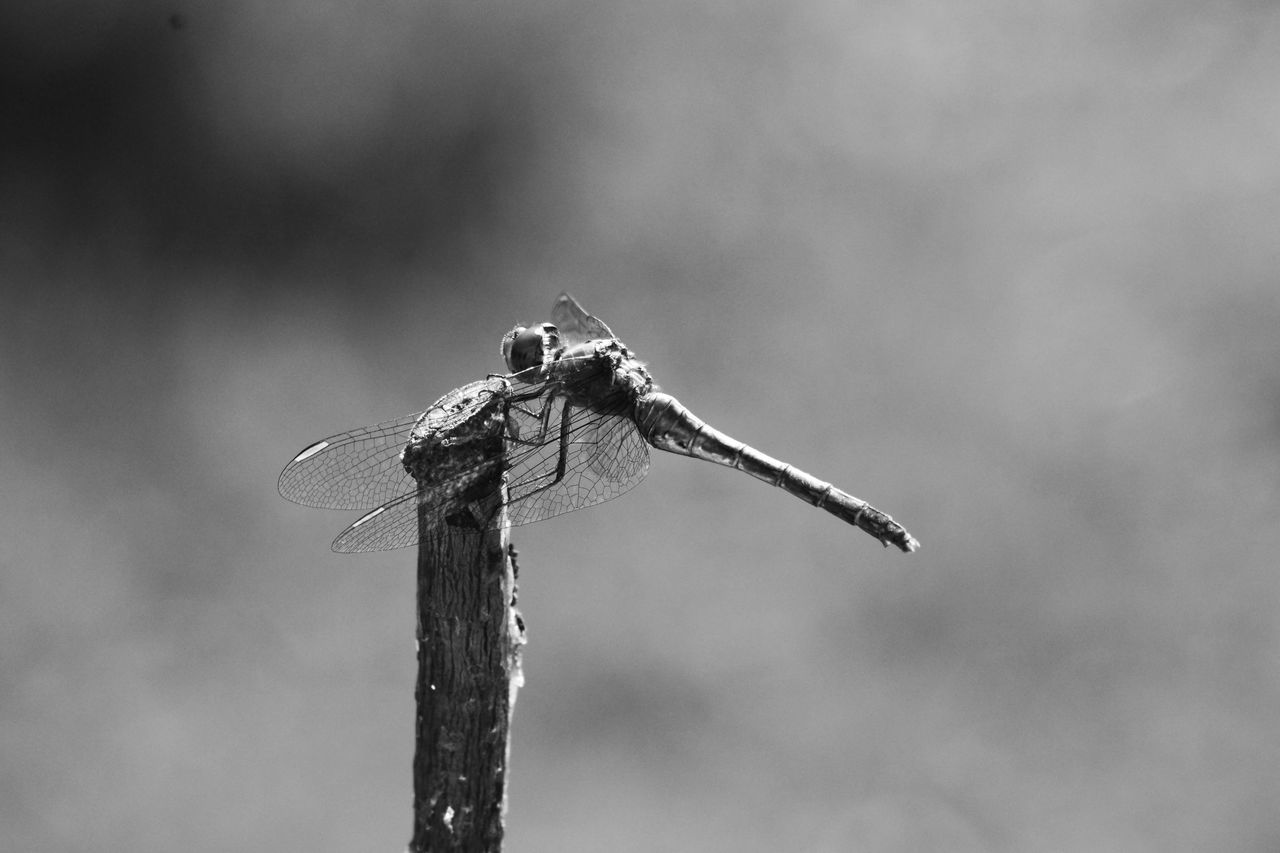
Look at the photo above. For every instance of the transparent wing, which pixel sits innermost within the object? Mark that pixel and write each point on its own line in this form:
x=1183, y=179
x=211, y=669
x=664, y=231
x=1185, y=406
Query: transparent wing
x=587, y=458
x=392, y=525
x=605, y=457
x=575, y=324
x=359, y=469
x=395, y=524
x=559, y=457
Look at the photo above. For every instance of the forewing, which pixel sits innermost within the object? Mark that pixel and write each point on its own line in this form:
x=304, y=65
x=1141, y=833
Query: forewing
x=560, y=457
x=359, y=469
x=575, y=324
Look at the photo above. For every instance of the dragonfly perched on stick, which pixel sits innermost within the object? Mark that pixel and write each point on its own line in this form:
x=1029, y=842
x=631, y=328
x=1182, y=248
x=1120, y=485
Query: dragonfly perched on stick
x=574, y=416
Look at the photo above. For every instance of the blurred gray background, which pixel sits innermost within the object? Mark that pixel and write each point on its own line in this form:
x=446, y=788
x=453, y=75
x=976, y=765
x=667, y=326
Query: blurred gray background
x=1006, y=271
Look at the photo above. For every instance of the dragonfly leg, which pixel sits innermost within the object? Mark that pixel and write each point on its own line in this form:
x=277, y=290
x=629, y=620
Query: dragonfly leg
x=562, y=456
x=543, y=415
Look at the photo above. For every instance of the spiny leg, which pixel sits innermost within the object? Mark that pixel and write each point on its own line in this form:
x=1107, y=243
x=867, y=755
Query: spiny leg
x=562, y=455
x=543, y=415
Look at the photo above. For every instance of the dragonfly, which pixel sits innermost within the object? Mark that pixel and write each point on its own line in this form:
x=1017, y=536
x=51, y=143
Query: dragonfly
x=575, y=415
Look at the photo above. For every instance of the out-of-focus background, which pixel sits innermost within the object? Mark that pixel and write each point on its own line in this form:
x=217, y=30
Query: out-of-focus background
x=1007, y=271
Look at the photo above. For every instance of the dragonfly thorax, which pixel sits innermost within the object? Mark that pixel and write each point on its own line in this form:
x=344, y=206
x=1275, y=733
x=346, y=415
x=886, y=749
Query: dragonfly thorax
x=599, y=372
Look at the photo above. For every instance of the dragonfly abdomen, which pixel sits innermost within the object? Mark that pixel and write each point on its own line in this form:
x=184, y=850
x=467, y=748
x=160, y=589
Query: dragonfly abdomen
x=665, y=423
x=668, y=425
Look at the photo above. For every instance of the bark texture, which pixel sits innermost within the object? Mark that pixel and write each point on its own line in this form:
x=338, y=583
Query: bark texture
x=469, y=638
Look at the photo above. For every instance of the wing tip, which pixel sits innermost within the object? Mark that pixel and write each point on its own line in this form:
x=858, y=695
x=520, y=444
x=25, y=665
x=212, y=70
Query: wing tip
x=309, y=451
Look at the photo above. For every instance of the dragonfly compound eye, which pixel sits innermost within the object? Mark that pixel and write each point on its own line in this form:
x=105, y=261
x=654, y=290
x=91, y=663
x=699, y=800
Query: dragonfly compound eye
x=534, y=346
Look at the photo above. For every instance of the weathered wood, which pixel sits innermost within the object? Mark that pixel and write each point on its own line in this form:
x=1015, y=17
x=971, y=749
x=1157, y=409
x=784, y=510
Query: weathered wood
x=469, y=638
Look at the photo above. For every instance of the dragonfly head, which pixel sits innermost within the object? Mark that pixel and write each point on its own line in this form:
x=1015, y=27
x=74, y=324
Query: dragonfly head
x=526, y=347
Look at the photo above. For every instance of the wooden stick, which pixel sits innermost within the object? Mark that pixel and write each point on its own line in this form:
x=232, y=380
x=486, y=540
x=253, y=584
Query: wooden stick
x=469, y=638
